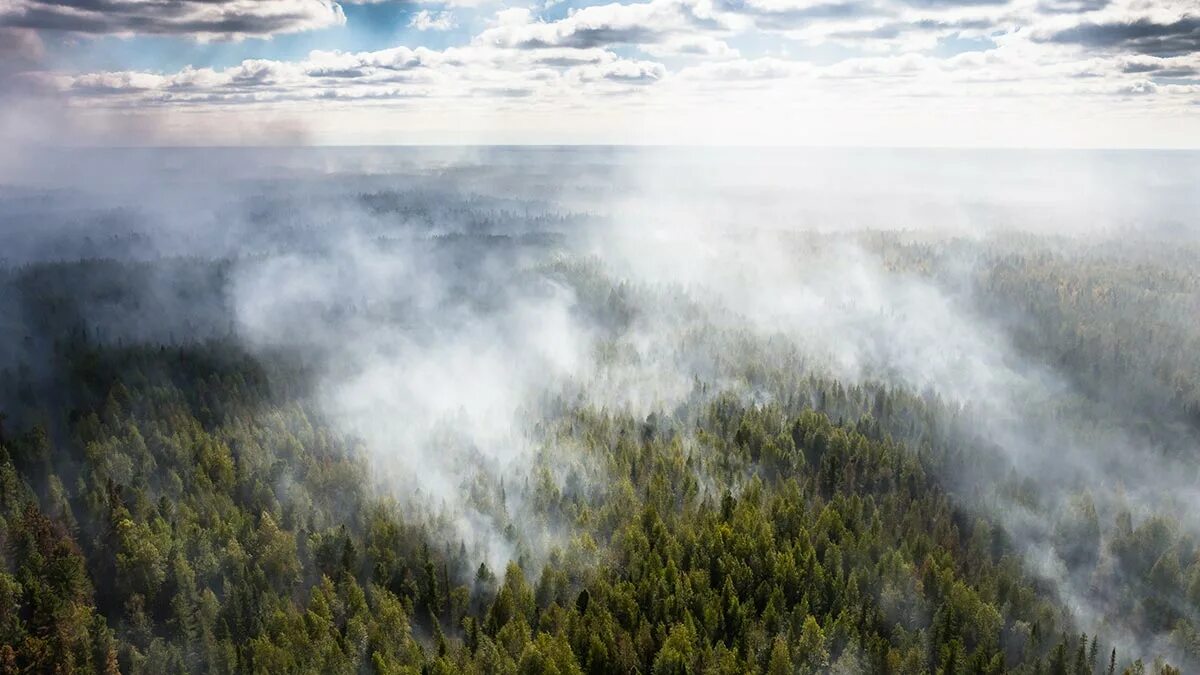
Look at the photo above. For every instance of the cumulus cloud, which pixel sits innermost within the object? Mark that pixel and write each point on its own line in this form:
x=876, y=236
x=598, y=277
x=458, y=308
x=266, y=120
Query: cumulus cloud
x=1071, y=6
x=463, y=74
x=792, y=14
x=742, y=70
x=1143, y=35
x=203, y=19
x=1106, y=59
x=427, y=20
x=600, y=25
x=628, y=72
x=692, y=46
x=1181, y=66
x=562, y=77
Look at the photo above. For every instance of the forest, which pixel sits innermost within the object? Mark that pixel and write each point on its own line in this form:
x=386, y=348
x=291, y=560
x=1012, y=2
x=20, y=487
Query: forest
x=427, y=421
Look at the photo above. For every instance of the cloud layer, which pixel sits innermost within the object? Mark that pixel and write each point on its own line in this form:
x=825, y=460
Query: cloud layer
x=202, y=19
x=1085, y=63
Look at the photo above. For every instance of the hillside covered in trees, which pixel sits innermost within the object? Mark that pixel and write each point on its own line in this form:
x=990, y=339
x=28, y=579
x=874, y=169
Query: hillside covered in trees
x=453, y=427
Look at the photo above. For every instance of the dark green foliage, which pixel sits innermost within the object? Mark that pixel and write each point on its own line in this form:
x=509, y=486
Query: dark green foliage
x=180, y=506
x=767, y=542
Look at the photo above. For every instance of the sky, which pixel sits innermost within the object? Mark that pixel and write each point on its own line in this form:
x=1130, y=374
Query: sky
x=893, y=73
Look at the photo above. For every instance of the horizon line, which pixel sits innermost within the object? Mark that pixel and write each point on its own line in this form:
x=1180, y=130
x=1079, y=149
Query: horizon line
x=629, y=146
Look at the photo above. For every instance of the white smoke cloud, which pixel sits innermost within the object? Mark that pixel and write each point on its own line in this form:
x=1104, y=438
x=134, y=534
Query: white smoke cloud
x=692, y=271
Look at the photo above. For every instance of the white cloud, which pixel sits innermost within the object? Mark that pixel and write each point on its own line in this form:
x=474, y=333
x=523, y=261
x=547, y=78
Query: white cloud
x=692, y=46
x=211, y=19
x=427, y=20
x=1027, y=60
x=601, y=25
x=742, y=70
x=465, y=76
x=621, y=72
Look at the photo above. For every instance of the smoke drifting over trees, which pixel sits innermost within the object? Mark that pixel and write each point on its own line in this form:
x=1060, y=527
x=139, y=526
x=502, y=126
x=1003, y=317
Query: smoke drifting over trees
x=600, y=410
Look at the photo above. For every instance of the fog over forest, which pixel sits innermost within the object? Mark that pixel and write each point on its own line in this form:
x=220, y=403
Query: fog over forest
x=600, y=409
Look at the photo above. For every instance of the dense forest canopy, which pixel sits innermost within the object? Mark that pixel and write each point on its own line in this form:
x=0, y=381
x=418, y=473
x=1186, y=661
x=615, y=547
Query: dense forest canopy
x=566, y=411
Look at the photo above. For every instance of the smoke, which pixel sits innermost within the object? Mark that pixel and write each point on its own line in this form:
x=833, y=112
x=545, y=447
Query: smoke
x=454, y=301
x=428, y=356
x=1062, y=466
x=27, y=111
